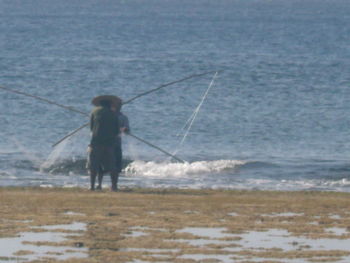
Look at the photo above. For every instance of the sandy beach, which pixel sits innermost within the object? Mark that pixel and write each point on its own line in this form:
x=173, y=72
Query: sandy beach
x=153, y=225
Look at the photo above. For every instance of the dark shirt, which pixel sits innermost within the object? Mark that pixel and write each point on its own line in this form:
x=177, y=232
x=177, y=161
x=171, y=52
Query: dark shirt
x=123, y=122
x=104, y=127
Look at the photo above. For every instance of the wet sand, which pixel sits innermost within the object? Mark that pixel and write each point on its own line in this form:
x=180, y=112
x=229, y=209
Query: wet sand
x=153, y=225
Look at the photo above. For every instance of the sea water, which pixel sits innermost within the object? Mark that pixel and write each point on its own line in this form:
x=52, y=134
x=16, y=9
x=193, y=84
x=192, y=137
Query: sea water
x=277, y=117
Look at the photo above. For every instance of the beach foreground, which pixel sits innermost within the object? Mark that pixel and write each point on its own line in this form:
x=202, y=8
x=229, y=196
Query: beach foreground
x=152, y=225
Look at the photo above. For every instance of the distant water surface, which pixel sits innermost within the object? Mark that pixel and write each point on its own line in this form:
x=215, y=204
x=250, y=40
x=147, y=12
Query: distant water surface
x=277, y=117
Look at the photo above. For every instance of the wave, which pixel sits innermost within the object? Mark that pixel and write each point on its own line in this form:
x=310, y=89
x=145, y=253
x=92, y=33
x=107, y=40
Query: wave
x=259, y=165
x=215, y=174
x=168, y=169
x=147, y=168
x=70, y=166
x=221, y=174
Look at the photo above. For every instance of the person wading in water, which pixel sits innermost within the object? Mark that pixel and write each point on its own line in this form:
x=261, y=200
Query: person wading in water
x=104, y=126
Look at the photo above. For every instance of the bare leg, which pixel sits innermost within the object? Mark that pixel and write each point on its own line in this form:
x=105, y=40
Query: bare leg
x=114, y=179
x=100, y=177
x=92, y=180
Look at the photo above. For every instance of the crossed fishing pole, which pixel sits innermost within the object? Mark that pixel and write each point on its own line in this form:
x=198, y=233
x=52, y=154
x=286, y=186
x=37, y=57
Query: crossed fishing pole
x=125, y=102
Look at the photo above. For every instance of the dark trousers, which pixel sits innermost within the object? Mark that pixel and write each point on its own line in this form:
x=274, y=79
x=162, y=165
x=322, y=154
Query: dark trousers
x=119, y=157
x=118, y=161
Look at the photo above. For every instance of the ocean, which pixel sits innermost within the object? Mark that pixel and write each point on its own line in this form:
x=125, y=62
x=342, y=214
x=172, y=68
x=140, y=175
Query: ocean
x=276, y=117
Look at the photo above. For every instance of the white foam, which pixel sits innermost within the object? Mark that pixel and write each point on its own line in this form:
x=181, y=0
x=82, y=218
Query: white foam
x=54, y=156
x=66, y=150
x=167, y=169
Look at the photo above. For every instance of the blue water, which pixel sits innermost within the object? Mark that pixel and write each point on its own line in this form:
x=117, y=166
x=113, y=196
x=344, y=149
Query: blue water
x=277, y=117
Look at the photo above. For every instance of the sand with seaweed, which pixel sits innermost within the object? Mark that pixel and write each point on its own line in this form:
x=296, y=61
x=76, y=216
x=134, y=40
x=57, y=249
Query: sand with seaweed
x=153, y=225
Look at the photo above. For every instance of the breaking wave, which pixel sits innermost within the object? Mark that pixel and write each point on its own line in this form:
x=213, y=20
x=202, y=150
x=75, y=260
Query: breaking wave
x=69, y=166
x=167, y=169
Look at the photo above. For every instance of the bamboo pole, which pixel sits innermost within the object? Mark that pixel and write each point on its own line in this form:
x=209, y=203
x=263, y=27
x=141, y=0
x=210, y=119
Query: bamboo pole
x=156, y=147
x=125, y=102
x=168, y=84
x=44, y=100
x=138, y=96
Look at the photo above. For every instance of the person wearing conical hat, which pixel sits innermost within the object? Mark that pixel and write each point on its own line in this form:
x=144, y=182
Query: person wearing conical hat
x=124, y=127
x=104, y=128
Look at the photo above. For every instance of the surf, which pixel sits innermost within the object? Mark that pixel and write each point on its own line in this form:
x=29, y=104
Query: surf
x=187, y=169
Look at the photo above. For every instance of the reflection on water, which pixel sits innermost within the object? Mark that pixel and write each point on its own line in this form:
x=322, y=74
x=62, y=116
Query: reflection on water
x=273, y=239
x=13, y=245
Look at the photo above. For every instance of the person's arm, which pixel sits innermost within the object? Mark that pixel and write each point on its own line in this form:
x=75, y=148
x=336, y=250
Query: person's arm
x=124, y=123
x=91, y=122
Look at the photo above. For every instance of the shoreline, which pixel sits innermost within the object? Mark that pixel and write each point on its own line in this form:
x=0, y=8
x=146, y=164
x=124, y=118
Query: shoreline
x=176, y=225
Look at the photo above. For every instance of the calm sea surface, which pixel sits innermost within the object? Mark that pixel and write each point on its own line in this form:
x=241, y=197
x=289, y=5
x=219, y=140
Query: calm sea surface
x=277, y=117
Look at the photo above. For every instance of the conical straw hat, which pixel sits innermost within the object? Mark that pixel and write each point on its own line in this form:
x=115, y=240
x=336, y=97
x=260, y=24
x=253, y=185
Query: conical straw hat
x=113, y=99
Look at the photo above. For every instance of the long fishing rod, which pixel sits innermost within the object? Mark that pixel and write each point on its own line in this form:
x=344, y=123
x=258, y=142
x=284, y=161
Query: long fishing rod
x=44, y=100
x=169, y=84
x=83, y=113
x=136, y=97
x=131, y=135
x=86, y=114
x=190, y=121
x=125, y=102
x=156, y=147
x=70, y=134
